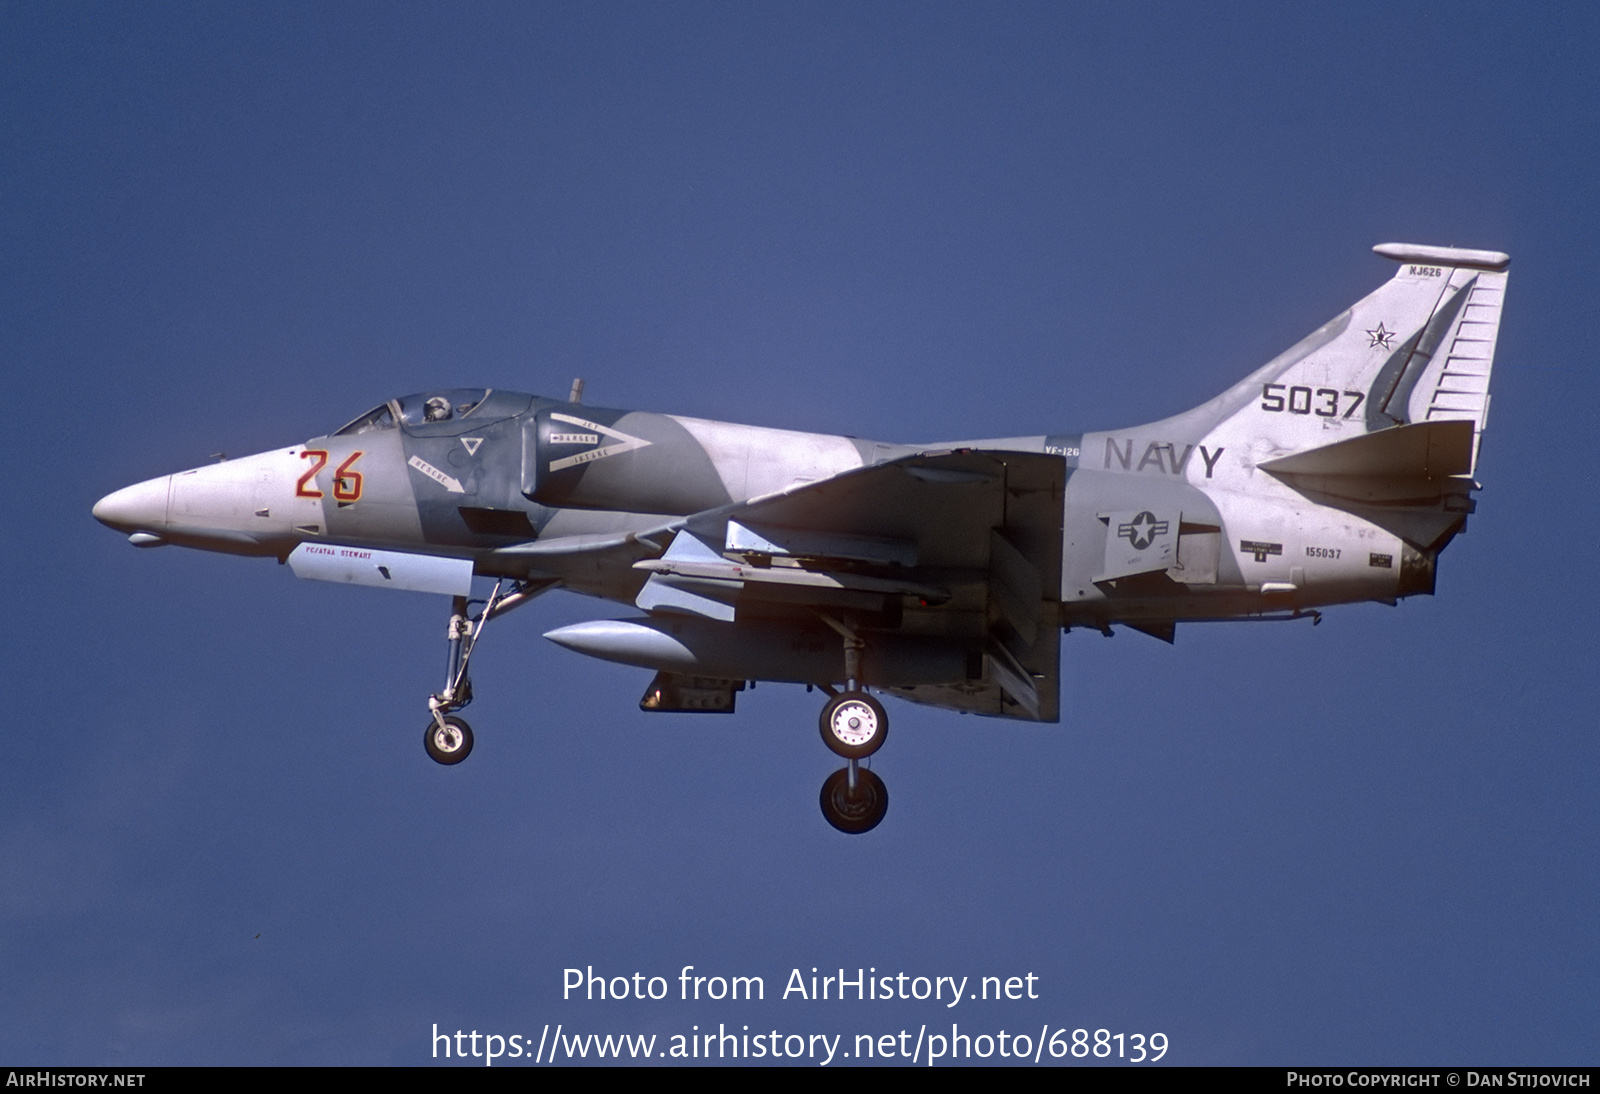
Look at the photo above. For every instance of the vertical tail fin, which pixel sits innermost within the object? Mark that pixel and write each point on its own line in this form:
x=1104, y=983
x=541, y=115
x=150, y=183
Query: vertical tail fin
x=1404, y=452
x=1417, y=350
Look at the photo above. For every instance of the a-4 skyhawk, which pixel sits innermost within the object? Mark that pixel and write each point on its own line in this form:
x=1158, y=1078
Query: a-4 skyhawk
x=943, y=575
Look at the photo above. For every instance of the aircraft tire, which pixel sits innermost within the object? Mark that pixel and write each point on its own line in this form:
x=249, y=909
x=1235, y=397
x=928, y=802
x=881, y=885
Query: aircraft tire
x=854, y=725
x=450, y=743
x=854, y=813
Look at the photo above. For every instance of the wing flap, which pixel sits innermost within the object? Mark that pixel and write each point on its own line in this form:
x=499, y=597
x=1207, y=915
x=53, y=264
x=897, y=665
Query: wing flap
x=995, y=695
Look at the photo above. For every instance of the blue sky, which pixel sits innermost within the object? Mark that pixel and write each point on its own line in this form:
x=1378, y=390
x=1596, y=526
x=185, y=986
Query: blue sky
x=234, y=227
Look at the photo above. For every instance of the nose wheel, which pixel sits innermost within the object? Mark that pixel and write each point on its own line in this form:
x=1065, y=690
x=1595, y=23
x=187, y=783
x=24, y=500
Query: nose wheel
x=448, y=740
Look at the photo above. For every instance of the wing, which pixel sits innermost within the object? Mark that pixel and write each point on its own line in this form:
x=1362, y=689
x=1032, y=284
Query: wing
x=960, y=547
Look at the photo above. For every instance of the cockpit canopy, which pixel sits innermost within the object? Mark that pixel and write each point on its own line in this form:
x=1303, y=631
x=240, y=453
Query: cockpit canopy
x=422, y=409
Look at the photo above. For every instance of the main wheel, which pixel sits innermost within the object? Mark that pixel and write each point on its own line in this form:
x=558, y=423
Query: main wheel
x=449, y=743
x=857, y=811
x=854, y=725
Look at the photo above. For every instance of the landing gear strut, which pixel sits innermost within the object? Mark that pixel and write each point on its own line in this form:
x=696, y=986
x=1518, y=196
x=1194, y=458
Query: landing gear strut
x=447, y=738
x=854, y=725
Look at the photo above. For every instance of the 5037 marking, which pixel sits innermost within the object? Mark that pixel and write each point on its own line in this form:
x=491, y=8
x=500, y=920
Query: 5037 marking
x=1322, y=552
x=1322, y=401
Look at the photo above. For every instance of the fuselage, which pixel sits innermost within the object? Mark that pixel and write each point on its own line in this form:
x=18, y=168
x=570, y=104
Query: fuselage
x=525, y=486
x=941, y=574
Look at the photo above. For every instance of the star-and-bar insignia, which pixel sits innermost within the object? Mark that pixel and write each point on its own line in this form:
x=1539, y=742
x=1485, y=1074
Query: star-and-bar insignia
x=1143, y=530
x=1380, y=337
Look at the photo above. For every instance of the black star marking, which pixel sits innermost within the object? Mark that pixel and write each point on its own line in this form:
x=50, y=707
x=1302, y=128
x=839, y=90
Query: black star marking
x=1380, y=337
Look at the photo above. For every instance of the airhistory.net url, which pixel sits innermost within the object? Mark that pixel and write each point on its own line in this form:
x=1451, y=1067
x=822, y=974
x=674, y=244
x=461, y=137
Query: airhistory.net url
x=822, y=1049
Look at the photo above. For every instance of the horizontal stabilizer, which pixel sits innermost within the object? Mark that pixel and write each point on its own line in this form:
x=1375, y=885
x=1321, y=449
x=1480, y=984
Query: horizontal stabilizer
x=1423, y=450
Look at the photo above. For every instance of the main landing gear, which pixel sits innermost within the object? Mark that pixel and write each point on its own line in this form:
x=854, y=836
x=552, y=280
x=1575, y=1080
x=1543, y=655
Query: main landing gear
x=854, y=800
x=447, y=738
x=854, y=725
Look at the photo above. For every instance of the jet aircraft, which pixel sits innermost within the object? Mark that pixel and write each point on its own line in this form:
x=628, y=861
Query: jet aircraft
x=943, y=574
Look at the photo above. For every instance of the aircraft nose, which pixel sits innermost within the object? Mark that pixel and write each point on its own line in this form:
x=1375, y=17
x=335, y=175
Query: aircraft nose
x=140, y=507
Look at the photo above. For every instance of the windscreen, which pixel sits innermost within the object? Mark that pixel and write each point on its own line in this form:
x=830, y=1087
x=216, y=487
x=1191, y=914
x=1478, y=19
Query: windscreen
x=381, y=417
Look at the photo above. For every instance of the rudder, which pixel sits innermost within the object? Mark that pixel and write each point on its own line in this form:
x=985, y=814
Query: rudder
x=1449, y=374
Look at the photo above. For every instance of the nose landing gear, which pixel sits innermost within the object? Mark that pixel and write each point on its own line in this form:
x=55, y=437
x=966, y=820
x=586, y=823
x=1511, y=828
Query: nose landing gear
x=448, y=739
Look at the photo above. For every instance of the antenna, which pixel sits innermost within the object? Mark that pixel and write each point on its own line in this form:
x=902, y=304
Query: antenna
x=576, y=394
